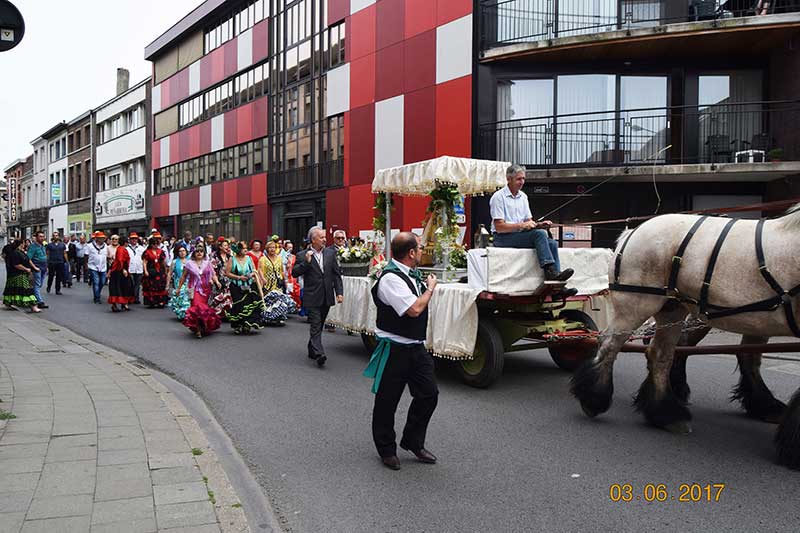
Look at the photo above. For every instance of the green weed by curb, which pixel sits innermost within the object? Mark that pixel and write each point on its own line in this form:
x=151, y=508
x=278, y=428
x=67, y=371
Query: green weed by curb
x=211, y=497
x=5, y=415
x=197, y=451
x=237, y=505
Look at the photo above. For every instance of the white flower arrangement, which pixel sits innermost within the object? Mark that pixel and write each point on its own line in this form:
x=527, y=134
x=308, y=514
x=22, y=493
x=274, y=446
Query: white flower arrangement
x=355, y=254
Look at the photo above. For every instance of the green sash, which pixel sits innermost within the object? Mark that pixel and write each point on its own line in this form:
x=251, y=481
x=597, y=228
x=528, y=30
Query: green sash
x=377, y=363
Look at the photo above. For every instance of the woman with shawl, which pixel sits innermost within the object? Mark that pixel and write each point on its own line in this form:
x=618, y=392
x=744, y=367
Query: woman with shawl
x=19, y=285
x=278, y=304
x=245, y=315
x=221, y=300
x=154, y=282
x=198, y=272
x=179, y=302
x=120, y=283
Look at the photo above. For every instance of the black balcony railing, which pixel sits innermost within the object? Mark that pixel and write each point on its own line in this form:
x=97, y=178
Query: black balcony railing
x=506, y=22
x=306, y=179
x=721, y=133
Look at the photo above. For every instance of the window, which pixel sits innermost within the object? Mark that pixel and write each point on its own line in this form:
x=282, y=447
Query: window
x=236, y=22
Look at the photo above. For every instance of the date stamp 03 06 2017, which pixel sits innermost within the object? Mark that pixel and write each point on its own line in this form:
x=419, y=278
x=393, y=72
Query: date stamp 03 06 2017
x=659, y=492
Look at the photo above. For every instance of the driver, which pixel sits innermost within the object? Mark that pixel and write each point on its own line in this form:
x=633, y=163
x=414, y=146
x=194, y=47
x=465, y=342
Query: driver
x=513, y=226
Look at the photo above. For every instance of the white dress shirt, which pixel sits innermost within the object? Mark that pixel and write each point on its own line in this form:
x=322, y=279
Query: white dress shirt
x=318, y=257
x=98, y=257
x=168, y=253
x=394, y=292
x=509, y=208
x=136, y=266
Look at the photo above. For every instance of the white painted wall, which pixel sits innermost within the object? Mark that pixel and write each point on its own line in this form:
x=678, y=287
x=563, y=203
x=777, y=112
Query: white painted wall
x=130, y=146
x=58, y=219
x=117, y=106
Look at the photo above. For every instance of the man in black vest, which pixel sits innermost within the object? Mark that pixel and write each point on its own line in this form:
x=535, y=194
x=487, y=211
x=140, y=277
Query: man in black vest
x=322, y=282
x=401, y=358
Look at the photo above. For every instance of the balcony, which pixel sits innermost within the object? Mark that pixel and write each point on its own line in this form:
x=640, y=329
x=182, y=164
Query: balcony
x=754, y=141
x=518, y=28
x=306, y=179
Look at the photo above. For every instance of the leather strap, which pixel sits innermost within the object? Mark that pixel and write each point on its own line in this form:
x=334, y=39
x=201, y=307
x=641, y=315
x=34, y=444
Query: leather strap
x=618, y=258
x=677, y=259
x=712, y=263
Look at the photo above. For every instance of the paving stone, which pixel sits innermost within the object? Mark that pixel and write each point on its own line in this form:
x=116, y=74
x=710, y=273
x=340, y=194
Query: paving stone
x=61, y=479
x=117, y=432
x=71, y=453
x=67, y=441
x=180, y=474
x=15, y=502
x=32, y=426
x=19, y=451
x=118, y=489
x=185, y=514
x=126, y=471
x=57, y=506
x=121, y=457
x=120, y=443
x=20, y=466
x=11, y=522
x=180, y=493
x=76, y=524
x=24, y=437
x=145, y=525
x=208, y=528
x=122, y=510
x=169, y=460
x=19, y=482
x=119, y=421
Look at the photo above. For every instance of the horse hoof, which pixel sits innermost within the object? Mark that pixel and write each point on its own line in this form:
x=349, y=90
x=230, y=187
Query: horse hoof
x=591, y=413
x=773, y=418
x=679, y=428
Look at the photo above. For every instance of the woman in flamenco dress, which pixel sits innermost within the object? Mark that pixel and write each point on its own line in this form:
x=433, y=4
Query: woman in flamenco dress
x=199, y=274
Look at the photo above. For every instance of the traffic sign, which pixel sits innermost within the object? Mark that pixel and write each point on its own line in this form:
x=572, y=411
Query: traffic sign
x=12, y=26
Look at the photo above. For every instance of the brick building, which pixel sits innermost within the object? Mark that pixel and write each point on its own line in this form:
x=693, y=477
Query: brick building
x=10, y=200
x=78, y=193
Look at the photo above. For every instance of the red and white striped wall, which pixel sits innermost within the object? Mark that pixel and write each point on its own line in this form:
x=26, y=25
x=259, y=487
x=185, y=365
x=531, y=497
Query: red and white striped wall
x=405, y=91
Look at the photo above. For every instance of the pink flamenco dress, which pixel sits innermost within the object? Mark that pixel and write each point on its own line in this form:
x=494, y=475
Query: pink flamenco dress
x=200, y=318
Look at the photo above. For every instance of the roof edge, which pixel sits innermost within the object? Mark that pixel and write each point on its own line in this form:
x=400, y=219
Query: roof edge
x=185, y=24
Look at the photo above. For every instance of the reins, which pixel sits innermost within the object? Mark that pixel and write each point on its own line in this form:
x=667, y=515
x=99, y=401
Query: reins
x=782, y=298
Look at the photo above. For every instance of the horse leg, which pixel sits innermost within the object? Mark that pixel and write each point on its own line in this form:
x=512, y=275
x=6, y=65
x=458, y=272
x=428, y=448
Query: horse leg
x=692, y=333
x=752, y=392
x=593, y=382
x=655, y=399
x=787, y=439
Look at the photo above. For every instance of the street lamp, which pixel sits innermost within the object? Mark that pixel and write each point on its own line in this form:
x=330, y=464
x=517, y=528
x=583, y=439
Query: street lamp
x=12, y=26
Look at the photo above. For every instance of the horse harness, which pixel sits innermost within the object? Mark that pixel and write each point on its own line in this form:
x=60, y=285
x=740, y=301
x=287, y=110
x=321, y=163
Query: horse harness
x=782, y=298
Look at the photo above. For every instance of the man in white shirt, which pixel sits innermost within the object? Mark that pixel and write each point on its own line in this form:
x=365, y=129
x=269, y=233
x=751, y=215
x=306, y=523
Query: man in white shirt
x=97, y=254
x=513, y=225
x=401, y=358
x=136, y=269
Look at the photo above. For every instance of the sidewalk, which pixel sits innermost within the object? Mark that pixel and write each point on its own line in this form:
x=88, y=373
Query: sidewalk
x=95, y=443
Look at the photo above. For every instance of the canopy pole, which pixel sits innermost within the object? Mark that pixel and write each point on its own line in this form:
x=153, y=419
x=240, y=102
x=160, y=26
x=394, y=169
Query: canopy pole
x=387, y=236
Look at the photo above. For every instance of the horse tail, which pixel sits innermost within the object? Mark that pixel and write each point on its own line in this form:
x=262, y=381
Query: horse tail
x=787, y=439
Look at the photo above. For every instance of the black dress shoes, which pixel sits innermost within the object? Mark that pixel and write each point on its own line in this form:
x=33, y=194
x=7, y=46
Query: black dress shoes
x=391, y=462
x=552, y=274
x=423, y=455
x=567, y=293
x=321, y=361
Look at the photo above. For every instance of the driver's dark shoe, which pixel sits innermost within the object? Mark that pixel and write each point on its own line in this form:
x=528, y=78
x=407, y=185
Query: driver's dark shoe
x=552, y=274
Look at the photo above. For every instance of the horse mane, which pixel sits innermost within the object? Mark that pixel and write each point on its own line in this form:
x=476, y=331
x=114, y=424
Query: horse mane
x=791, y=219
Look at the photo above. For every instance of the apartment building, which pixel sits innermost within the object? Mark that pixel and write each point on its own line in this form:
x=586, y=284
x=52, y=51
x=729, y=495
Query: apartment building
x=35, y=212
x=122, y=184
x=78, y=194
x=674, y=105
x=56, y=139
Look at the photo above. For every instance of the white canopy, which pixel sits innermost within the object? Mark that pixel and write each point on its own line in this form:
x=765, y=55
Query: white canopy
x=471, y=176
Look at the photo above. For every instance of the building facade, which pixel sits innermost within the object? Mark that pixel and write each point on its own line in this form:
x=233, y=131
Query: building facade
x=122, y=185
x=9, y=200
x=57, y=162
x=672, y=107
x=77, y=190
x=35, y=212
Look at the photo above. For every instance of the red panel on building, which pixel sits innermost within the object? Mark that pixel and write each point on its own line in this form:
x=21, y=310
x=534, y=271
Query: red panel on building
x=337, y=10
x=389, y=22
x=361, y=218
x=231, y=57
x=231, y=128
x=230, y=197
x=156, y=154
x=174, y=148
x=420, y=56
x=362, y=33
x=206, y=71
x=217, y=196
x=362, y=81
x=411, y=212
x=454, y=118
x=362, y=145
x=190, y=200
x=337, y=210
x=157, y=206
x=205, y=137
x=243, y=191
x=260, y=41
x=194, y=142
x=420, y=16
x=260, y=124
x=165, y=94
x=261, y=222
x=419, y=131
x=217, y=65
x=180, y=89
x=244, y=123
x=389, y=72
x=450, y=10
x=258, y=189
x=184, y=144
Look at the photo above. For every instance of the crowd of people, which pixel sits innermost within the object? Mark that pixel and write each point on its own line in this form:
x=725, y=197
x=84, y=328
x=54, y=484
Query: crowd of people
x=202, y=280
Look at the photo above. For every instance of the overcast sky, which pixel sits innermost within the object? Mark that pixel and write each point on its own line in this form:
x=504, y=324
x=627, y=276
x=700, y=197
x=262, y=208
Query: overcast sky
x=67, y=62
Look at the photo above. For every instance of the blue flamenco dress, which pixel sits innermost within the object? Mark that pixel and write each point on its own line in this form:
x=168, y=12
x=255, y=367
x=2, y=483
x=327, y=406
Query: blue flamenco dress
x=179, y=303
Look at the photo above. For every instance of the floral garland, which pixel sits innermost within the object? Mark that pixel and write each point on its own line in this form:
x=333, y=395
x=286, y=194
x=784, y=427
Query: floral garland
x=379, y=218
x=354, y=254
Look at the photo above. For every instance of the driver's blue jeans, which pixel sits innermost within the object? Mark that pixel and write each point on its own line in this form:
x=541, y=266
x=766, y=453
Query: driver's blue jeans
x=538, y=239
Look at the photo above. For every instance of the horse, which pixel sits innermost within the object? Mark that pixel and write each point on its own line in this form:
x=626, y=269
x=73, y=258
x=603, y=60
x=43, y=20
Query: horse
x=741, y=276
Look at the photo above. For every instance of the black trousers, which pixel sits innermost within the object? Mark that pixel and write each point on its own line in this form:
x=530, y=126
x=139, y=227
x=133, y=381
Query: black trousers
x=137, y=286
x=316, y=316
x=55, y=270
x=411, y=365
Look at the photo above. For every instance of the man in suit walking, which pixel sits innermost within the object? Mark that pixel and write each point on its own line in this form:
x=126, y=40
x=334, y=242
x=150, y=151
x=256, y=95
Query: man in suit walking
x=322, y=288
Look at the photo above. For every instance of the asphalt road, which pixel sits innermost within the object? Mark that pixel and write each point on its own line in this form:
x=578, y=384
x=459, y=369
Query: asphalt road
x=519, y=456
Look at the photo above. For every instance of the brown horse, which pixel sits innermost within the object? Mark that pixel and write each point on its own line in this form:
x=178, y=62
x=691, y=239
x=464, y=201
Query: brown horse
x=678, y=265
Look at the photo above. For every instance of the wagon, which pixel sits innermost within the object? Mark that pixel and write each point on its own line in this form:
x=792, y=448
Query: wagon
x=478, y=322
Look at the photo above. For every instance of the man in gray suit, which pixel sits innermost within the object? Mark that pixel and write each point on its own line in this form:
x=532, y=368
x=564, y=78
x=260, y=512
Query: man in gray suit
x=322, y=288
